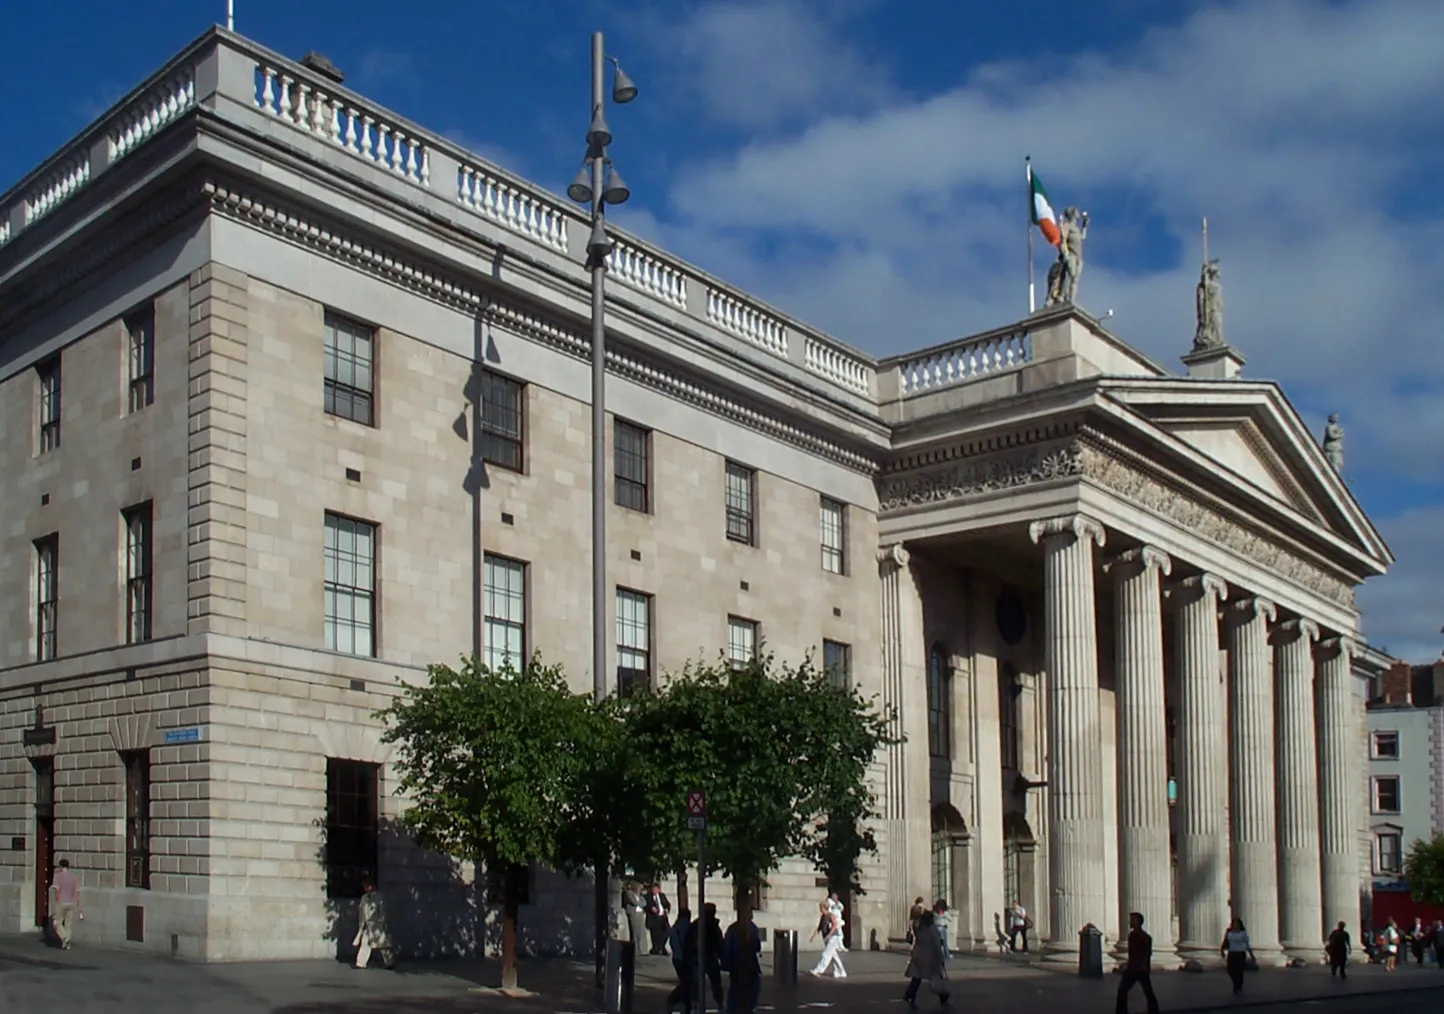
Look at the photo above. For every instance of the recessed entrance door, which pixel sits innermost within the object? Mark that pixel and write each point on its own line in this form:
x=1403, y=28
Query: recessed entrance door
x=44, y=836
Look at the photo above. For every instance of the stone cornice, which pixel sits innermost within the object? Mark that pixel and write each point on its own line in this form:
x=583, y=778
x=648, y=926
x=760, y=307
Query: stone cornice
x=984, y=474
x=401, y=269
x=991, y=444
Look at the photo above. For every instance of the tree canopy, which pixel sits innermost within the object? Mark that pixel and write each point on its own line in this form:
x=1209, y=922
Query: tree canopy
x=1424, y=869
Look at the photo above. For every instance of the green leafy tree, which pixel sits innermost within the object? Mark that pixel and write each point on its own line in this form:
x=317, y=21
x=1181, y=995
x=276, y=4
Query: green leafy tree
x=492, y=762
x=1424, y=869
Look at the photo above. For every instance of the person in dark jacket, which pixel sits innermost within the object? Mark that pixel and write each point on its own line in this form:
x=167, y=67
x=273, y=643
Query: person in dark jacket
x=1139, y=967
x=712, y=958
x=1338, y=949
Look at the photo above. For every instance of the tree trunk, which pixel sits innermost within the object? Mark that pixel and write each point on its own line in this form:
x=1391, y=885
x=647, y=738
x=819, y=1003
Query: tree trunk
x=682, y=893
x=602, y=913
x=511, y=907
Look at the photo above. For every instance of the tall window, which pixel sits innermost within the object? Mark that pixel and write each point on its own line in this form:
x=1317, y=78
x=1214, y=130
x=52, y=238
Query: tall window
x=140, y=348
x=350, y=585
x=632, y=466
x=634, y=642
x=504, y=612
x=502, y=416
x=350, y=377
x=833, y=530
x=137, y=818
x=1389, y=853
x=48, y=373
x=940, y=703
x=1384, y=745
x=741, y=641
x=137, y=573
x=47, y=595
x=943, y=866
x=1010, y=690
x=837, y=662
x=352, y=825
x=1386, y=794
x=741, y=504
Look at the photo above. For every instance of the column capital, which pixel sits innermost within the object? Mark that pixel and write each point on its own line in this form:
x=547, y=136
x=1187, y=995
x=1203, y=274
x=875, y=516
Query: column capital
x=1200, y=585
x=1135, y=561
x=1248, y=609
x=1080, y=526
x=1341, y=643
x=1298, y=627
x=896, y=554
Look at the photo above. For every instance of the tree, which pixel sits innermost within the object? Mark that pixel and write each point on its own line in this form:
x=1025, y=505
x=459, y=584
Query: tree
x=1424, y=870
x=491, y=761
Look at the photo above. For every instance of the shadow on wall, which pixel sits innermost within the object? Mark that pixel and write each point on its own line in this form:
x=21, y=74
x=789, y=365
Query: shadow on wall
x=437, y=907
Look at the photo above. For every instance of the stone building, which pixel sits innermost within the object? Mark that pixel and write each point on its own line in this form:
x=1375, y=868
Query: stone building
x=294, y=396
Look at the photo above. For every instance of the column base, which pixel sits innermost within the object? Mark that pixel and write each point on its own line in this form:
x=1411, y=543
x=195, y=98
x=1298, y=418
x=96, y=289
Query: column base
x=1309, y=955
x=1271, y=957
x=1204, y=956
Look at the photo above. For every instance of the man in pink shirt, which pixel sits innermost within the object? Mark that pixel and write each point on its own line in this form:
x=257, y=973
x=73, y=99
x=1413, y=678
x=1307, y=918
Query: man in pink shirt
x=65, y=888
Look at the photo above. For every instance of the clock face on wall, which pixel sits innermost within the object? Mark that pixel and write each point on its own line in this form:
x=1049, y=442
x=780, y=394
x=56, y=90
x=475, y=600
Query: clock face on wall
x=1012, y=617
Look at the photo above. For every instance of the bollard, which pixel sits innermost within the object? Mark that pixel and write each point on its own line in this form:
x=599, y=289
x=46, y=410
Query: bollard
x=1090, y=952
x=621, y=976
x=784, y=956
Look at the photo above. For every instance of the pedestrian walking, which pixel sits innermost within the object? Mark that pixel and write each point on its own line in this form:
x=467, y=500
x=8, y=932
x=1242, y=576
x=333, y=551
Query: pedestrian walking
x=65, y=905
x=636, y=915
x=658, y=911
x=1019, y=923
x=712, y=973
x=925, y=963
x=943, y=921
x=1438, y=939
x=1237, y=952
x=1338, y=949
x=914, y=914
x=830, y=926
x=742, y=961
x=677, y=941
x=1138, y=970
x=371, y=934
x=1417, y=936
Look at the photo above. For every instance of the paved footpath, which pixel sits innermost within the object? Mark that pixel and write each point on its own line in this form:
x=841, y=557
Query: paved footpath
x=35, y=979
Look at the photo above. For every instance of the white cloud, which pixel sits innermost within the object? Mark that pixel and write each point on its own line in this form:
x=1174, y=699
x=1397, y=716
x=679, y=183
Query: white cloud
x=1405, y=611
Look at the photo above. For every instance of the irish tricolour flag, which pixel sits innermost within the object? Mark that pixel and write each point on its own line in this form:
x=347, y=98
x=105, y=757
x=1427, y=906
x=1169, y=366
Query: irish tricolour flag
x=1042, y=211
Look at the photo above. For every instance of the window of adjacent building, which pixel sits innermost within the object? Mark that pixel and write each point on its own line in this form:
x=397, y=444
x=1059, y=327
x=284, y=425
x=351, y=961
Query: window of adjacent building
x=138, y=572
x=350, y=614
x=502, y=419
x=634, y=642
x=504, y=612
x=1389, y=852
x=137, y=818
x=48, y=373
x=1010, y=692
x=632, y=467
x=940, y=702
x=1385, y=745
x=741, y=504
x=833, y=525
x=353, y=801
x=741, y=641
x=1386, y=794
x=837, y=662
x=47, y=596
x=350, y=354
x=140, y=357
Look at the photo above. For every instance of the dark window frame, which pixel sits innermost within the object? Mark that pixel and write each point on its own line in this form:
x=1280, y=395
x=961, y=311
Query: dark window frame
x=334, y=589
x=632, y=678
x=492, y=619
x=1380, y=736
x=353, y=826
x=140, y=357
x=940, y=699
x=1390, y=860
x=834, y=557
x=48, y=405
x=137, y=818
x=837, y=662
x=1376, y=800
x=139, y=524
x=349, y=374
x=632, y=466
x=1010, y=733
x=47, y=597
x=503, y=421
x=740, y=500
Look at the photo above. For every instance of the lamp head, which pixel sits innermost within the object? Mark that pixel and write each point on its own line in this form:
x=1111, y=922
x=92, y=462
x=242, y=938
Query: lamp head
x=599, y=135
x=623, y=90
x=580, y=189
x=615, y=191
x=599, y=245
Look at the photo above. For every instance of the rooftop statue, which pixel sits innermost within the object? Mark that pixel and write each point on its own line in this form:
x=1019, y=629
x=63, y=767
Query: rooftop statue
x=1064, y=274
x=1334, y=443
x=1209, y=334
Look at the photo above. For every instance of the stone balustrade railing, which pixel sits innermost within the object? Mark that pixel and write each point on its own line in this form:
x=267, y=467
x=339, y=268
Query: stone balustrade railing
x=838, y=366
x=737, y=315
x=643, y=270
x=57, y=188
x=153, y=110
x=963, y=361
x=512, y=207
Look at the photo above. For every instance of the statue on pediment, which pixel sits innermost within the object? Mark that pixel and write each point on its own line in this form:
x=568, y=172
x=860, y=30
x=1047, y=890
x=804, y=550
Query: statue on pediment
x=1209, y=299
x=1334, y=443
x=1068, y=268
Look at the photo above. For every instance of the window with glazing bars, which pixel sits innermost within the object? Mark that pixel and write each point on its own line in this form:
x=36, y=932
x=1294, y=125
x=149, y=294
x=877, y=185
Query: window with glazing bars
x=741, y=641
x=350, y=589
x=137, y=818
x=48, y=373
x=140, y=347
x=504, y=612
x=502, y=422
x=352, y=826
x=350, y=355
x=837, y=662
x=1010, y=691
x=634, y=642
x=940, y=703
x=833, y=525
x=137, y=573
x=1391, y=853
x=632, y=467
x=741, y=504
x=47, y=596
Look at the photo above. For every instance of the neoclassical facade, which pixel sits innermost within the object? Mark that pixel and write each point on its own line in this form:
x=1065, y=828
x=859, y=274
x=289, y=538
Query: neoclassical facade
x=296, y=401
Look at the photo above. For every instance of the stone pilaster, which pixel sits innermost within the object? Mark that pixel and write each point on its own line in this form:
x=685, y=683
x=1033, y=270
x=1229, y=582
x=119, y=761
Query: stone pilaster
x=1075, y=778
x=1144, y=863
x=1337, y=767
x=1300, y=903
x=1252, y=801
x=904, y=684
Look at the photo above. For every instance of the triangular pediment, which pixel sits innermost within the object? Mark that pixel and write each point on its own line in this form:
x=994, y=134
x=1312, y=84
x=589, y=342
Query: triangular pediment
x=1237, y=445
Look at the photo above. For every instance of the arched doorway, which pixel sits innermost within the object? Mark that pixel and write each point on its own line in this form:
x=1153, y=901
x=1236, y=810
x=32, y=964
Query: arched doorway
x=1019, y=873
x=950, y=874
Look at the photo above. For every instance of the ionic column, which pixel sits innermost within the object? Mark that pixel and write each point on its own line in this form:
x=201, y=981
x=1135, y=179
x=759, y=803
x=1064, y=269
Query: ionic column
x=1144, y=865
x=1300, y=903
x=1202, y=769
x=1252, y=804
x=1075, y=751
x=1340, y=867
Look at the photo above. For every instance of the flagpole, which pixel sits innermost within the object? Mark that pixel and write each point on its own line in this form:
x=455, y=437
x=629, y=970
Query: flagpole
x=1032, y=296
x=230, y=15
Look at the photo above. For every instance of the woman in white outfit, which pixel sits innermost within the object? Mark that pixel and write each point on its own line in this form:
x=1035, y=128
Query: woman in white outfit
x=830, y=925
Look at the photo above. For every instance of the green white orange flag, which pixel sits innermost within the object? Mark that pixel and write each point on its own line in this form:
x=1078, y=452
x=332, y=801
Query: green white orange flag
x=1041, y=211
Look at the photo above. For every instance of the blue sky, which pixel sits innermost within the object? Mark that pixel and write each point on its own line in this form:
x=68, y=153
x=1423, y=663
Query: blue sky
x=858, y=163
